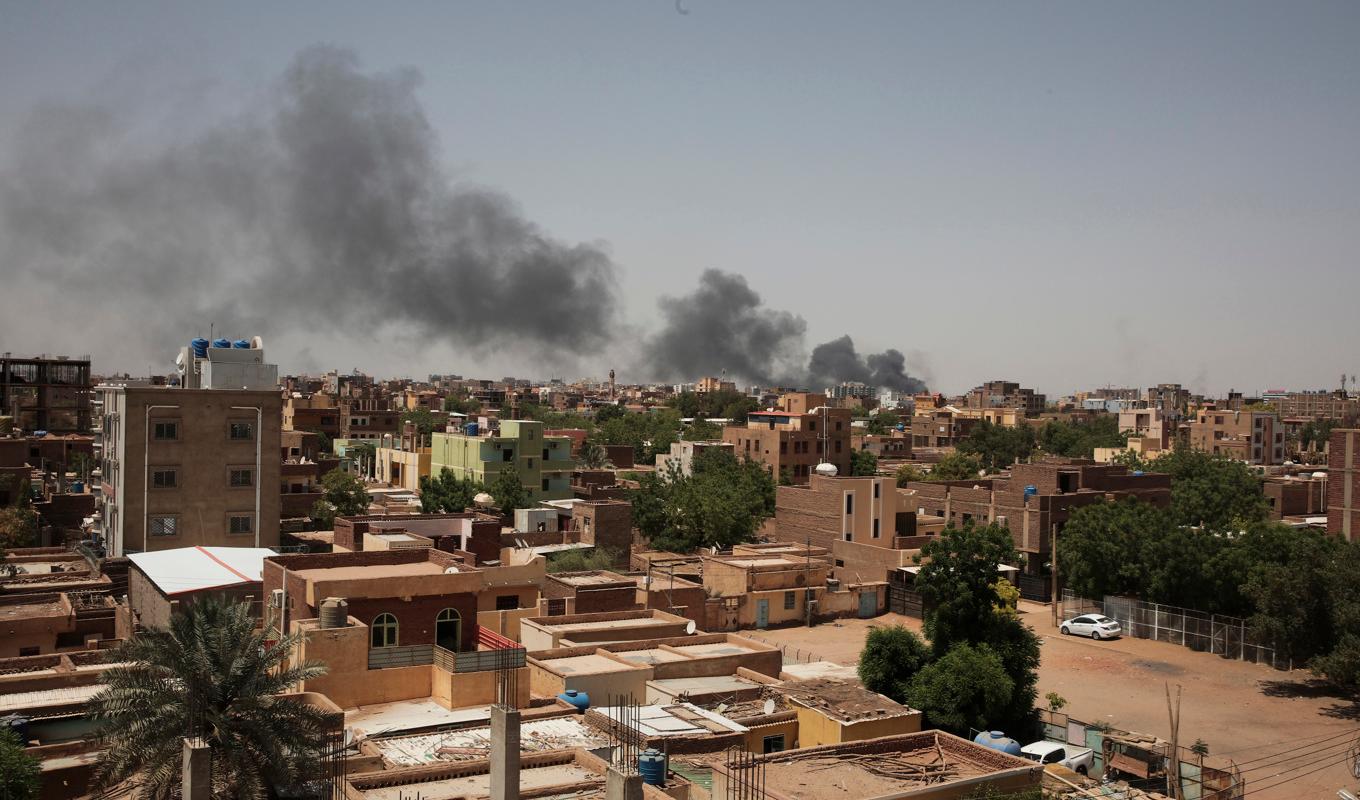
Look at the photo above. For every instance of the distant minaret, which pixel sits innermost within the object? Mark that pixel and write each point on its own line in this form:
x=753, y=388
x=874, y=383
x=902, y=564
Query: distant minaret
x=612, y=394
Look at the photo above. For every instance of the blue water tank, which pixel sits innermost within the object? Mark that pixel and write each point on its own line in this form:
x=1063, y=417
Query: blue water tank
x=901, y=426
x=470, y=429
x=221, y=343
x=652, y=765
x=39, y=434
x=998, y=740
x=199, y=347
x=1031, y=490
x=77, y=487
x=241, y=344
x=1137, y=472
x=579, y=700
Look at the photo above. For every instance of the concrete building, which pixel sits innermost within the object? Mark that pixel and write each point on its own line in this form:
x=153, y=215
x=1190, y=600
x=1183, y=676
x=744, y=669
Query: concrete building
x=1296, y=497
x=1343, y=484
x=791, y=442
x=46, y=394
x=683, y=453
x=1004, y=394
x=41, y=624
x=712, y=384
x=596, y=591
x=934, y=428
x=543, y=463
x=1322, y=404
x=1254, y=437
x=163, y=583
x=189, y=466
x=1155, y=429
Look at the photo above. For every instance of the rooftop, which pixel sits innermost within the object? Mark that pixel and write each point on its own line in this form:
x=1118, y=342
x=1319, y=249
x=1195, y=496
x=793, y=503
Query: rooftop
x=592, y=578
x=192, y=569
x=531, y=779
x=410, y=715
x=678, y=719
x=470, y=744
x=843, y=700
x=585, y=665
x=371, y=571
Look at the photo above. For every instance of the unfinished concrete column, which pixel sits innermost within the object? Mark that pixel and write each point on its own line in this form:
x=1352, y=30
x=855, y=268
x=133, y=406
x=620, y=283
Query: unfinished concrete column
x=619, y=785
x=504, y=753
x=196, y=778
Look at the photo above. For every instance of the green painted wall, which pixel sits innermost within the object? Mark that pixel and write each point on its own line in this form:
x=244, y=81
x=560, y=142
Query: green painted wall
x=521, y=446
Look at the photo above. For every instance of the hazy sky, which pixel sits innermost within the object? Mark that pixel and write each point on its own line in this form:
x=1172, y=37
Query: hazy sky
x=1065, y=194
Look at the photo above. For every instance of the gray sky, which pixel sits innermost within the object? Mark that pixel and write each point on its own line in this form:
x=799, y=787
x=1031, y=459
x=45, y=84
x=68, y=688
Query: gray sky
x=1064, y=194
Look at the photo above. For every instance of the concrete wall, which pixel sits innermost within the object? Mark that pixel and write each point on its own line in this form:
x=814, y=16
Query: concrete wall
x=464, y=689
x=349, y=682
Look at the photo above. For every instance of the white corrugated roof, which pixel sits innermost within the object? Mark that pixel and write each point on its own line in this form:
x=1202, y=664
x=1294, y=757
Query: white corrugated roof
x=192, y=569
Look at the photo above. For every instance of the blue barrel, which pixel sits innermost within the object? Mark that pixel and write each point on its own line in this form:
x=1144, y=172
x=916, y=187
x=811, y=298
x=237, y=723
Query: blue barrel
x=997, y=740
x=1031, y=491
x=652, y=765
x=221, y=343
x=579, y=700
x=241, y=344
x=1138, y=473
x=901, y=426
x=200, y=347
x=470, y=429
x=77, y=487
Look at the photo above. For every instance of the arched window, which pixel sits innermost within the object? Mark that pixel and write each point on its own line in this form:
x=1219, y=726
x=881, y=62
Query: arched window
x=448, y=629
x=384, y=631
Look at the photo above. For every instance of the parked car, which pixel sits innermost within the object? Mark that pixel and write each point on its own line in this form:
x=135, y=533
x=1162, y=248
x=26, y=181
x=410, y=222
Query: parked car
x=1093, y=625
x=1078, y=759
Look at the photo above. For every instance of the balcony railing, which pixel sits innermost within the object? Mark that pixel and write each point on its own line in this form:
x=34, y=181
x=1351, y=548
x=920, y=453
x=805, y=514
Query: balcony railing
x=478, y=660
x=410, y=656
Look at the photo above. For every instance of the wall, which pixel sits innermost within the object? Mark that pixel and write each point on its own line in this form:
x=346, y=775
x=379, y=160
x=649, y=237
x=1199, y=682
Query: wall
x=464, y=689
x=627, y=680
x=349, y=682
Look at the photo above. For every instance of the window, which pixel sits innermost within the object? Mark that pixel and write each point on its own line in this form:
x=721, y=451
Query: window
x=849, y=503
x=838, y=445
x=507, y=602
x=164, y=479
x=28, y=651
x=165, y=431
x=241, y=478
x=877, y=486
x=531, y=463
x=545, y=484
x=507, y=455
x=164, y=526
x=384, y=631
x=840, y=562
x=783, y=448
x=849, y=537
x=773, y=744
x=448, y=629
x=790, y=600
x=240, y=523
x=241, y=431
x=546, y=454
x=875, y=528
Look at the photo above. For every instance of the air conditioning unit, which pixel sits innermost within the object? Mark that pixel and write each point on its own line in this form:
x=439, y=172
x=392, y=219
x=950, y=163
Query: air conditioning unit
x=276, y=598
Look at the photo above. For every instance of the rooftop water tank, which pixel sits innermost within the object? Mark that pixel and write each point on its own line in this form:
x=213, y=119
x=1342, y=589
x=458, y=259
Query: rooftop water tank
x=998, y=740
x=652, y=766
x=199, y=347
x=577, y=699
x=1031, y=490
x=901, y=426
x=1319, y=474
x=221, y=343
x=826, y=469
x=241, y=344
x=334, y=613
x=1137, y=473
x=470, y=429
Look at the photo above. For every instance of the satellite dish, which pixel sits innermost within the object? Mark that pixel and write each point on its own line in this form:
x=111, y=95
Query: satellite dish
x=690, y=628
x=769, y=706
x=450, y=570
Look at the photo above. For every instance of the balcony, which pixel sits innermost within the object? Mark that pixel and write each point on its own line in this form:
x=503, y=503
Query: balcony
x=493, y=652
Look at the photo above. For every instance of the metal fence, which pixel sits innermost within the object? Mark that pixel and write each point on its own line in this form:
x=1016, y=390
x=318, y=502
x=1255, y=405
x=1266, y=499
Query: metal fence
x=1230, y=637
x=478, y=660
x=411, y=656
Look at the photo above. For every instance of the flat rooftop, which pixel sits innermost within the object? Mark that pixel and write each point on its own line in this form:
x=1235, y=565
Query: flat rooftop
x=764, y=561
x=584, y=665
x=39, y=610
x=843, y=700
x=580, y=579
x=410, y=715
x=44, y=698
x=471, y=744
x=676, y=719
x=531, y=779
x=605, y=624
x=717, y=684
x=715, y=649
x=371, y=571
x=652, y=655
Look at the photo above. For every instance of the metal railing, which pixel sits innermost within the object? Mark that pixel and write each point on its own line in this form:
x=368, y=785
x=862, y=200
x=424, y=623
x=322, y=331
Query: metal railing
x=410, y=656
x=478, y=660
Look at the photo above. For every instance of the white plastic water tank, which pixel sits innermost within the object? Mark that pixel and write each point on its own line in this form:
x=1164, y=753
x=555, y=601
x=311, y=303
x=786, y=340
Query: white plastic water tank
x=826, y=470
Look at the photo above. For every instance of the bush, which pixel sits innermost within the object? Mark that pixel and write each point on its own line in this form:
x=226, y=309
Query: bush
x=890, y=659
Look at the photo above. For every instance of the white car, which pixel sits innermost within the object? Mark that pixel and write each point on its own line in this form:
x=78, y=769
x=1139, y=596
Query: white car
x=1078, y=759
x=1093, y=625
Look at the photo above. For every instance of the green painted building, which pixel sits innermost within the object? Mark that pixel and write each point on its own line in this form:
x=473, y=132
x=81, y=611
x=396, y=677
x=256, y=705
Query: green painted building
x=544, y=463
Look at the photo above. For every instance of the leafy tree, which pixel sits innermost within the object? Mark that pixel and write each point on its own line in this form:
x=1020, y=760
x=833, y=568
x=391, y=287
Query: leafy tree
x=605, y=413
x=727, y=404
x=890, y=659
x=1292, y=598
x=20, y=773
x=582, y=560
x=701, y=430
x=958, y=581
x=908, y=473
x=1100, y=549
x=508, y=491
x=343, y=495
x=863, y=463
x=1218, y=493
x=883, y=423
x=1018, y=648
x=447, y=494
x=785, y=476
x=323, y=441
x=425, y=422
x=1009, y=598
x=18, y=527
x=211, y=670
x=1056, y=702
x=648, y=434
x=967, y=688
x=1316, y=433
x=956, y=466
x=593, y=455
x=722, y=503
x=1080, y=438
x=998, y=446
x=462, y=404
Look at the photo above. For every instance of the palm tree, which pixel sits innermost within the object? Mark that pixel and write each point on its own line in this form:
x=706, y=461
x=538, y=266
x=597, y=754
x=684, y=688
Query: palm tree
x=594, y=456
x=210, y=674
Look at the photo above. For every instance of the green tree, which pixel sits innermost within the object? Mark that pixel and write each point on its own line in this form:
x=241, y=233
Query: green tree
x=18, y=527
x=701, y=430
x=213, y=671
x=722, y=503
x=1293, y=598
x=1212, y=491
x=967, y=688
x=425, y=422
x=605, y=413
x=462, y=404
x=863, y=463
x=908, y=473
x=508, y=491
x=998, y=446
x=882, y=423
x=890, y=660
x=648, y=433
x=956, y=466
x=1080, y=438
x=1100, y=550
x=343, y=495
x=593, y=455
x=20, y=773
x=958, y=580
x=446, y=494
x=583, y=560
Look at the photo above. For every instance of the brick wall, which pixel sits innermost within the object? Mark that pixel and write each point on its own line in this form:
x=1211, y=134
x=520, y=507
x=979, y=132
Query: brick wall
x=1343, y=484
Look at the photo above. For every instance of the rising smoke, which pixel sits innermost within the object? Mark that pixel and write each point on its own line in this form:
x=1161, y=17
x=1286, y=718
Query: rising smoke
x=723, y=326
x=322, y=204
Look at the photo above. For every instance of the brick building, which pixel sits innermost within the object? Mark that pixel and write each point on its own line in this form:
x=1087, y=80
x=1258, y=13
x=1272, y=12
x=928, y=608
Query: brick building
x=590, y=592
x=1004, y=394
x=941, y=427
x=1334, y=405
x=46, y=394
x=1343, y=484
x=1254, y=437
x=793, y=440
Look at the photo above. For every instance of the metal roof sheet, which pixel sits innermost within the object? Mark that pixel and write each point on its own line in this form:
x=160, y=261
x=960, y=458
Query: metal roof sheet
x=192, y=569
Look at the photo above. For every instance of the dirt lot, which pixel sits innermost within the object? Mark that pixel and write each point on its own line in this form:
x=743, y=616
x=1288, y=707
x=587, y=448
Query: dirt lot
x=1275, y=725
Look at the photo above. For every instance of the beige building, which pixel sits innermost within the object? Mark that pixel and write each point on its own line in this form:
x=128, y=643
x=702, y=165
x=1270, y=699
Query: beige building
x=1255, y=437
x=186, y=467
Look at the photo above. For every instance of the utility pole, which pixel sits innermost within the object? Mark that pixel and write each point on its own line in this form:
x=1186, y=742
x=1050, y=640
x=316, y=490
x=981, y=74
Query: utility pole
x=1053, y=561
x=1173, y=774
x=807, y=576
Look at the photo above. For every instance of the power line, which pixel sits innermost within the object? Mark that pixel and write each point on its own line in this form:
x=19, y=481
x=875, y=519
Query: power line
x=1295, y=756
x=1331, y=761
x=1309, y=739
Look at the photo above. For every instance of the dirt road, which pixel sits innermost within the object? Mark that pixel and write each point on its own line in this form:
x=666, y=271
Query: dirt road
x=1289, y=737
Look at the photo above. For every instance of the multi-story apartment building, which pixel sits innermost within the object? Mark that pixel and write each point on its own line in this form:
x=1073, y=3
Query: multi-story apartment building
x=1151, y=425
x=940, y=427
x=1170, y=398
x=357, y=422
x=543, y=462
x=853, y=389
x=792, y=442
x=1343, y=484
x=1004, y=394
x=46, y=394
x=1251, y=436
x=317, y=413
x=711, y=384
x=196, y=464
x=1334, y=404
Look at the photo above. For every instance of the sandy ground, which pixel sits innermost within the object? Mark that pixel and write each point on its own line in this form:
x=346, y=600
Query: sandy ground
x=1289, y=737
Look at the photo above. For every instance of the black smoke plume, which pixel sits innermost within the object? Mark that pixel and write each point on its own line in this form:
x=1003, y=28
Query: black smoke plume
x=323, y=203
